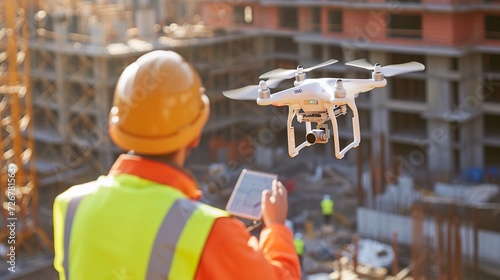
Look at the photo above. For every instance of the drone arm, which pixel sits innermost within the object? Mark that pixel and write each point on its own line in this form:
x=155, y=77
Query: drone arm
x=355, y=126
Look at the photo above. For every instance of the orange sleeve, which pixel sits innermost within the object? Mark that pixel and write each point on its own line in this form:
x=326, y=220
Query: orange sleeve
x=232, y=253
x=276, y=242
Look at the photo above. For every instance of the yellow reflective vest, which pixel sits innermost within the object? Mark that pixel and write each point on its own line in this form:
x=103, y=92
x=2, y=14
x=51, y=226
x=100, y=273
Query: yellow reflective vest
x=327, y=206
x=126, y=227
x=299, y=246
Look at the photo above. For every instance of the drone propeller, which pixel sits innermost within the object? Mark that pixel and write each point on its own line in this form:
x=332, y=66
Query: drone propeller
x=281, y=73
x=250, y=92
x=389, y=70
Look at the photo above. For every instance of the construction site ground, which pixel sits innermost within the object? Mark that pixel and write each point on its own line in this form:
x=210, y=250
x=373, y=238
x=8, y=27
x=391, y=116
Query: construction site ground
x=324, y=244
x=310, y=185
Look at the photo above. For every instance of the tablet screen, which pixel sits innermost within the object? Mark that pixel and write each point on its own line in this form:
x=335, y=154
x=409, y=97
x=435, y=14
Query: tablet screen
x=245, y=200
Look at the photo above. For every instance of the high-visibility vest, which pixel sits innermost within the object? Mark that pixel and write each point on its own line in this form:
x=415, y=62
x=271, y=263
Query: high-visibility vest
x=126, y=227
x=327, y=206
x=299, y=246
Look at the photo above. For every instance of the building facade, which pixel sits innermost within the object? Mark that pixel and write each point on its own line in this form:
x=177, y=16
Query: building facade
x=439, y=122
x=435, y=123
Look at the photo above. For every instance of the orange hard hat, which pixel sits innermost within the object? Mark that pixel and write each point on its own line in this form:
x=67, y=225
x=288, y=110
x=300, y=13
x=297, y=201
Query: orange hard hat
x=159, y=105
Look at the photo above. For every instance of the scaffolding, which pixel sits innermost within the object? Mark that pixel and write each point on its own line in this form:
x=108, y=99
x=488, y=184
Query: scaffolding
x=19, y=185
x=80, y=49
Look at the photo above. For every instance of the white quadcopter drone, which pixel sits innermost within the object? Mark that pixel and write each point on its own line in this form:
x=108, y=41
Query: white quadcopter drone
x=318, y=100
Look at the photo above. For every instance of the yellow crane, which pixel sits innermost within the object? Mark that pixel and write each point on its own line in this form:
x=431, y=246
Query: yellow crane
x=18, y=188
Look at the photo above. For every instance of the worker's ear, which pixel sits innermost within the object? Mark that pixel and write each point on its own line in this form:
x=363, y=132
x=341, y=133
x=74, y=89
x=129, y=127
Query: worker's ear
x=194, y=143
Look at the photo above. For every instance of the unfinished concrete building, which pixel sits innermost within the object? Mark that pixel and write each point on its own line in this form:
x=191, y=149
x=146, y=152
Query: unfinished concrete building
x=79, y=49
x=438, y=122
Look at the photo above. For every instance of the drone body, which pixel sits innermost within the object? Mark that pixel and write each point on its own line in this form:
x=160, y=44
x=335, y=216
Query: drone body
x=319, y=100
x=313, y=95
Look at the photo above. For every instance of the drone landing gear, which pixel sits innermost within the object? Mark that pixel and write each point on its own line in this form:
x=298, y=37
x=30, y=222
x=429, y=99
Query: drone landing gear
x=292, y=151
x=355, y=130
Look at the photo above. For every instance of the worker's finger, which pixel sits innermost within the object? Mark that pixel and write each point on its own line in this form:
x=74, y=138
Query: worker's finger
x=274, y=205
x=266, y=196
x=281, y=188
x=275, y=187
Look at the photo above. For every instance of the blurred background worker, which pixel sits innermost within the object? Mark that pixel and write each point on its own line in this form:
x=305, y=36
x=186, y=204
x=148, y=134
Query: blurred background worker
x=327, y=209
x=299, y=243
x=143, y=220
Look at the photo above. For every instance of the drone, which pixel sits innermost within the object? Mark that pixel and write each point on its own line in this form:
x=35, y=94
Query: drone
x=319, y=100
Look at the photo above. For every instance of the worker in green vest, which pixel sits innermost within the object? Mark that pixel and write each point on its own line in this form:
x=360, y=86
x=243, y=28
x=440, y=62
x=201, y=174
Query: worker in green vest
x=299, y=243
x=327, y=209
x=143, y=219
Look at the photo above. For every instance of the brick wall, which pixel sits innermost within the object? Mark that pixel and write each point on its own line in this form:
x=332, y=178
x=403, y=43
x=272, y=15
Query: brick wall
x=366, y=26
x=452, y=30
x=305, y=19
x=217, y=15
x=353, y=21
x=268, y=17
x=468, y=28
x=437, y=28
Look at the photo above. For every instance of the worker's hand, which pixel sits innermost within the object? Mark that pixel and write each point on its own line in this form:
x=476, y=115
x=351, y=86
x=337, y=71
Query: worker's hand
x=275, y=204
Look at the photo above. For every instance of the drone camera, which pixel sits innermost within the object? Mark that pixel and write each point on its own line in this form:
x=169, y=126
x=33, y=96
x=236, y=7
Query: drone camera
x=316, y=136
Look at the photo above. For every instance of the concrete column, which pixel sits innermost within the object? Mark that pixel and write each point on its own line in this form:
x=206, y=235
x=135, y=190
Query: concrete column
x=61, y=29
x=379, y=111
x=61, y=92
x=161, y=11
x=472, y=92
x=439, y=140
x=305, y=52
x=97, y=34
x=103, y=96
x=325, y=53
x=144, y=21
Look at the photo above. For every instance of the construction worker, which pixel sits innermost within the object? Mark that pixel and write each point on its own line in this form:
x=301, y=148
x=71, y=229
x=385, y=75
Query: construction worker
x=143, y=220
x=327, y=209
x=299, y=243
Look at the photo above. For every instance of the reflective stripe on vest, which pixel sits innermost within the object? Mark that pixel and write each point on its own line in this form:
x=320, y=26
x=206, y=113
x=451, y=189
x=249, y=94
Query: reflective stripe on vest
x=68, y=221
x=175, y=248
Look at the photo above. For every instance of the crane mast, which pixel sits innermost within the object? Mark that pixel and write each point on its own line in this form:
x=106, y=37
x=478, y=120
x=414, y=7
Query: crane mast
x=18, y=188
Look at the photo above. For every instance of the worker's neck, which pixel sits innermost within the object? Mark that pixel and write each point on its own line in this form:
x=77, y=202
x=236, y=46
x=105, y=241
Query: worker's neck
x=176, y=158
